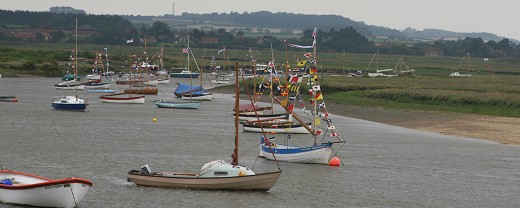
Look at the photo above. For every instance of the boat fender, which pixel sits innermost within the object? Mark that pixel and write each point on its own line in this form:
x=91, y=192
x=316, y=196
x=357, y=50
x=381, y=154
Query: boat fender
x=241, y=173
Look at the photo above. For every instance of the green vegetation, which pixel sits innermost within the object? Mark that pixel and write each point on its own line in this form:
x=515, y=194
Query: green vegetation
x=482, y=94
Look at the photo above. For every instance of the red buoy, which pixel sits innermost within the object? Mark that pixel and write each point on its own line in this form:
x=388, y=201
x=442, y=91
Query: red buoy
x=334, y=161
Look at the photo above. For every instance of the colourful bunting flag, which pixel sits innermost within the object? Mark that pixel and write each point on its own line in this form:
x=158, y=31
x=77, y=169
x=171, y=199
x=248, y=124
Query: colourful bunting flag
x=301, y=63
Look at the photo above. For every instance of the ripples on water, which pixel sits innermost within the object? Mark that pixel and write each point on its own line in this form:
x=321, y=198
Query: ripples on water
x=386, y=166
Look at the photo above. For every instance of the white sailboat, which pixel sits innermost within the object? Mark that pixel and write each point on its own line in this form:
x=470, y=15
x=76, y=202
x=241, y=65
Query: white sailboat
x=71, y=103
x=456, y=72
x=320, y=151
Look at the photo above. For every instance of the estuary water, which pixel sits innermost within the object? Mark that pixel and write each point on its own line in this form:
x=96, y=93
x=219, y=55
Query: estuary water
x=384, y=166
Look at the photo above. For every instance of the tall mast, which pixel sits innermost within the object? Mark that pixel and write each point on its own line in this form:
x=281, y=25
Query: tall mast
x=76, y=59
x=108, y=64
x=272, y=81
x=234, y=156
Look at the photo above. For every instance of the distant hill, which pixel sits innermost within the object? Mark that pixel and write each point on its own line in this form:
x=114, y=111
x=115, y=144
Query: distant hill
x=300, y=22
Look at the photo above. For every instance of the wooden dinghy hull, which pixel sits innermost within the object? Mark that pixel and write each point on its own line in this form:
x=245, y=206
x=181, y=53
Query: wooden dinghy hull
x=258, y=182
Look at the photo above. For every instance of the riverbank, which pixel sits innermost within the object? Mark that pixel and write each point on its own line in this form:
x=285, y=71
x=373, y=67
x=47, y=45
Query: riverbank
x=499, y=129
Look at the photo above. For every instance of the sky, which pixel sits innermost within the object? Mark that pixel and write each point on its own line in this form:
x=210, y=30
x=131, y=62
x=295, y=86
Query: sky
x=499, y=17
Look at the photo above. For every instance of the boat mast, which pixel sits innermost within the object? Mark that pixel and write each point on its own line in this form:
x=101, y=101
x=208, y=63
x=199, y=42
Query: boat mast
x=76, y=60
x=234, y=156
x=188, y=67
x=272, y=81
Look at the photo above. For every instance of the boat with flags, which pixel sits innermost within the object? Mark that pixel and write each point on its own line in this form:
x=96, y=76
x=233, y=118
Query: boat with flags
x=323, y=136
x=214, y=175
x=191, y=91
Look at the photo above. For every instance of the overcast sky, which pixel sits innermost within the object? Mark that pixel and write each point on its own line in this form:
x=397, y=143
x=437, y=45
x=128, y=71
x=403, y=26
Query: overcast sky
x=499, y=17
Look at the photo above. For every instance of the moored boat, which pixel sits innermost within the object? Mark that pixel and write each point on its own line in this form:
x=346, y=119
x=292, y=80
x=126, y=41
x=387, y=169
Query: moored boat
x=69, y=103
x=206, y=96
x=185, y=74
x=179, y=105
x=122, y=98
x=101, y=91
x=146, y=90
x=28, y=189
x=8, y=99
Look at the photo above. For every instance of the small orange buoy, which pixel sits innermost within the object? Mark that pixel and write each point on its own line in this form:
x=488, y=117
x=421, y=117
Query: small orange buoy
x=334, y=161
x=154, y=119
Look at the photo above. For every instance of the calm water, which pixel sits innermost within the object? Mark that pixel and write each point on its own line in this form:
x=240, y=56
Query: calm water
x=385, y=166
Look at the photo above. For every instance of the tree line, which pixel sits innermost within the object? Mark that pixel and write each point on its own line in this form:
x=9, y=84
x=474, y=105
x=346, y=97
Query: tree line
x=113, y=29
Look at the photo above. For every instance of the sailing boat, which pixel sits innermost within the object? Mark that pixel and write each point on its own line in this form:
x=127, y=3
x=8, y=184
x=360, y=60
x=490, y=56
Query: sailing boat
x=318, y=152
x=71, y=103
x=192, y=104
x=97, y=76
x=192, y=94
x=108, y=76
x=220, y=77
x=214, y=175
x=124, y=97
x=277, y=123
x=456, y=72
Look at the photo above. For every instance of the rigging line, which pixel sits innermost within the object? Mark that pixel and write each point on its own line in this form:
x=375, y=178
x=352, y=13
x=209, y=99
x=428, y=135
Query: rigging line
x=336, y=153
x=257, y=118
x=290, y=182
x=72, y=192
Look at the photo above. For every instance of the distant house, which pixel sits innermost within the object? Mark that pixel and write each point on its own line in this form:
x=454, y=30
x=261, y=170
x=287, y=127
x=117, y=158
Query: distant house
x=24, y=35
x=181, y=37
x=86, y=31
x=207, y=40
x=433, y=52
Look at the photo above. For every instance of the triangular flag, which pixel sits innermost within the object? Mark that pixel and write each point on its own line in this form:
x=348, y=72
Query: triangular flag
x=319, y=96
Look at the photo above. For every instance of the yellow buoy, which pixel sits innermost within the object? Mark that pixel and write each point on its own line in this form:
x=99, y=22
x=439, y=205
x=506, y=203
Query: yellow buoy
x=154, y=119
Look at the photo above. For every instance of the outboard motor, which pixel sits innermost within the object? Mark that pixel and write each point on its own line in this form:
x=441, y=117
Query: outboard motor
x=145, y=170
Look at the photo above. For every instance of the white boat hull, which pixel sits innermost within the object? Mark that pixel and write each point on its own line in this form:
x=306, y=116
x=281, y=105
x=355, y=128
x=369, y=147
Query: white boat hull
x=79, y=87
x=39, y=191
x=98, y=86
x=207, y=97
x=163, y=81
x=308, y=154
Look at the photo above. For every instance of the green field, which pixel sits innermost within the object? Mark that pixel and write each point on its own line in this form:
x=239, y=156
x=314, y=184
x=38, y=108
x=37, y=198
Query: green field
x=494, y=88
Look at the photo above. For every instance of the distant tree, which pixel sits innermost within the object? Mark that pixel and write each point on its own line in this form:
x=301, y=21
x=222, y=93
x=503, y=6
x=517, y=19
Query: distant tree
x=160, y=28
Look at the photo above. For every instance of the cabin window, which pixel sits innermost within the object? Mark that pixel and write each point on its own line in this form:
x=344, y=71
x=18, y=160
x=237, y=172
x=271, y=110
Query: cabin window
x=221, y=173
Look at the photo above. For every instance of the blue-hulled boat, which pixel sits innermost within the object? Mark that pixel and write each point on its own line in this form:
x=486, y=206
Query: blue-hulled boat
x=186, y=88
x=69, y=103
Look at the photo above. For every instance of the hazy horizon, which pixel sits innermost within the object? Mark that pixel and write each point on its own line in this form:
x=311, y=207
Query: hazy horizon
x=455, y=15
